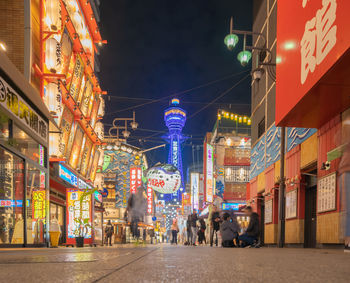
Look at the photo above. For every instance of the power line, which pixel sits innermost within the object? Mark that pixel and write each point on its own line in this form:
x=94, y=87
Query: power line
x=217, y=98
x=176, y=94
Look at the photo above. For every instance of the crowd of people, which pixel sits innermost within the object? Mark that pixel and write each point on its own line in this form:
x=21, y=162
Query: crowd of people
x=228, y=226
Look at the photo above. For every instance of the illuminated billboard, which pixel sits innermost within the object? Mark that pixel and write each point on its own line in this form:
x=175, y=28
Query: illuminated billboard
x=209, y=173
x=195, y=190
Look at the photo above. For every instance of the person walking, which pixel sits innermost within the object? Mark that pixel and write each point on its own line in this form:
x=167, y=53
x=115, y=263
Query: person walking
x=229, y=231
x=174, y=231
x=251, y=234
x=215, y=226
x=201, y=232
x=109, y=233
x=189, y=230
x=194, y=219
x=136, y=210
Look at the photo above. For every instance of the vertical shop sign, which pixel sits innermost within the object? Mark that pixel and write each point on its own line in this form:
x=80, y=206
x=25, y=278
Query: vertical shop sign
x=133, y=177
x=85, y=100
x=195, y=191
x=85, y=157
x=149, y=199
x=38, y=205
x=209, y=173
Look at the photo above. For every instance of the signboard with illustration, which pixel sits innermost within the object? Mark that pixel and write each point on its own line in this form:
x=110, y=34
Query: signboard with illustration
x=77, y=78
x=164, y=178
x=79, y=210
x=116, y=169
x=76, y=147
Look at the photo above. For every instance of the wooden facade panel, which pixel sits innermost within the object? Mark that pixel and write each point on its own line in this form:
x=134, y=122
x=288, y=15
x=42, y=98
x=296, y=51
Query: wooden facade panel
x=294, y=231
x=309, y=149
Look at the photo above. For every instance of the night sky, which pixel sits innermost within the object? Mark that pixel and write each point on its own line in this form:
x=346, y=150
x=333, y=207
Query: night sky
x=158, y=48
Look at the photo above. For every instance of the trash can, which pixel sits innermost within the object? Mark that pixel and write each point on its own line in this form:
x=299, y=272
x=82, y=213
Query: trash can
x=55, y=232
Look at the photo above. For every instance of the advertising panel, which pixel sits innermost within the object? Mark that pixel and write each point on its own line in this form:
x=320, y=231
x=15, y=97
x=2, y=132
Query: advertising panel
x=235, y=206
x=66, y=125
x=291, y=204
x=76, y=147
x=66, y=51
x=94, y=166
x=94, y=111
x=77, y=77
x=195, y=190
x=85, y=100
x=85, y=157
x=67, y=175
x=311, y=37
x=133, y=179
x=79, y=215
x=70, y=140
x=209, y=173
x=165, y=178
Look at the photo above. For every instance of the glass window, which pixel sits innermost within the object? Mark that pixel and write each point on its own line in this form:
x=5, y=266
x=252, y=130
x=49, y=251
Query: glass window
x=237, y=174
x=36, y=212
x=4, y=127
x=28, y=146
x=11, y=198
x=57, y=214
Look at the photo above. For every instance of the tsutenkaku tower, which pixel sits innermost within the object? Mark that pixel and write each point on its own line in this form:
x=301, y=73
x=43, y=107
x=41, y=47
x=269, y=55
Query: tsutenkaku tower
x=175, y=119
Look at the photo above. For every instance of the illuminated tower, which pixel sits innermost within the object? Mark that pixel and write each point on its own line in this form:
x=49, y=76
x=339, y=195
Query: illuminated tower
x=175, y=119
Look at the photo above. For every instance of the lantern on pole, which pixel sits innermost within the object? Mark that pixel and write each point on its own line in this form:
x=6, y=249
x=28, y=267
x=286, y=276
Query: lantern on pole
x=52, y=55
x=53, y=17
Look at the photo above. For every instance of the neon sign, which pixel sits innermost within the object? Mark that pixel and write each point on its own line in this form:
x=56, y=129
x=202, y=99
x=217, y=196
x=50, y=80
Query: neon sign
x=67, y=175
x=209, y=174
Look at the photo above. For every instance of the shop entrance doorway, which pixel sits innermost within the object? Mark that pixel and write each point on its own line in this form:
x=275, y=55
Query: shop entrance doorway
x=310, y=210
x=261, y=212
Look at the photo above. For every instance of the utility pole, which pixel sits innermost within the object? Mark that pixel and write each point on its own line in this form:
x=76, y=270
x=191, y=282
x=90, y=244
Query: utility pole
x=281, y=194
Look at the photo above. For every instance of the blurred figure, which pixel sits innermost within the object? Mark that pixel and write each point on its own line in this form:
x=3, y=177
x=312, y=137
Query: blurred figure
x=174, y=231
x=194, y=219
x=135, y=210
x=201, y=232
x=215, y=226
x=229, y=231
x=251, y=235
x=109, y=233
x=189, y=230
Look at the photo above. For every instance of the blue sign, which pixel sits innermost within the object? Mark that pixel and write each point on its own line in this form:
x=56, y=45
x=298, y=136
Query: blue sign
x=154, y=218
x=12, y=203
x=235, y=206
x=105, y=192
x=67, y=175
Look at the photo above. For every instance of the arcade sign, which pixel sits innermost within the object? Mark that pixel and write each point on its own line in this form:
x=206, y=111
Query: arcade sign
x=164, y=178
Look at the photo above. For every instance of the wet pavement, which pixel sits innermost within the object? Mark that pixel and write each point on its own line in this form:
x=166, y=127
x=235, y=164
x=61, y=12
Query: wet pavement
x=165, y=263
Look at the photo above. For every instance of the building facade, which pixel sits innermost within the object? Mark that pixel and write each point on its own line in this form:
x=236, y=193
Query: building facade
x=314, y=131
x=54, y=44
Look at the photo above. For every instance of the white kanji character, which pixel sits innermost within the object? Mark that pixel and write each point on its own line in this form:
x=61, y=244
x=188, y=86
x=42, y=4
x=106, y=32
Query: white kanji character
x=325, y=32
x=308, y=44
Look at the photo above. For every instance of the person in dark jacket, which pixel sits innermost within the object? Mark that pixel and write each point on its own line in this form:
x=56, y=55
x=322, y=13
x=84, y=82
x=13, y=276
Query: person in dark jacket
x=251, y=235
x=109, y=231
x=215, y=225
x=229, y=231
x=201, y=232
x=194, y=219
x=189, y=230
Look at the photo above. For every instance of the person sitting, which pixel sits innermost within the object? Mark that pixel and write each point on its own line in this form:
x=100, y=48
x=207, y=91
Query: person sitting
x=251, y=235
x=229, y=231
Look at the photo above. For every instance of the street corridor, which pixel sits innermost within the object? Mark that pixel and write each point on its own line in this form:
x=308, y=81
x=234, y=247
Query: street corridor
x=165, y=263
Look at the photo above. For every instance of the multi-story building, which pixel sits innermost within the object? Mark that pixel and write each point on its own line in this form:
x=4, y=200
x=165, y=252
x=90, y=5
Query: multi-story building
x=54, y=44
x=227, y=159
x=300, y=101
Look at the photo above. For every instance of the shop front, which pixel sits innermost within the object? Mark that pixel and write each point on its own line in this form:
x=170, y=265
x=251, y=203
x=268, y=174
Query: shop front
x=24, y=131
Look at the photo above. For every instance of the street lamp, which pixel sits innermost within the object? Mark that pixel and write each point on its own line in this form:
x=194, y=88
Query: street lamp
x=245, y=55
x=118, y=125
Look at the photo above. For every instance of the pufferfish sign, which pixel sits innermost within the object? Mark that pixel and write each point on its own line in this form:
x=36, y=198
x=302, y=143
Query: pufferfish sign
x=164, y=178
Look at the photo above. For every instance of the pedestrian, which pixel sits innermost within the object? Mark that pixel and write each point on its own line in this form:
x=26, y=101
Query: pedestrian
x=251, y=235
x=136, y=210
x=201, y=232
x=174, y=231
x=229, y=231
x=194, y=219
x=189, y=230
x=215, y=225
x=109, y=233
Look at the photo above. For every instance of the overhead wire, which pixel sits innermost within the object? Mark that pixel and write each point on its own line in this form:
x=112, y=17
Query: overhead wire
x=175, y=94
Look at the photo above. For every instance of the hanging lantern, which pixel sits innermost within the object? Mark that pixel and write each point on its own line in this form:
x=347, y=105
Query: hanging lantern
x=99, y=130
x=53, y=55
x=54, y=143
x=240, y=119
x=101, y=109
x=53, y=14
x=53, y=99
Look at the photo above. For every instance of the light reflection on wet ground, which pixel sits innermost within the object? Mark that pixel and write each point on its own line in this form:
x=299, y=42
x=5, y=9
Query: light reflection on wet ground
x=164, y=263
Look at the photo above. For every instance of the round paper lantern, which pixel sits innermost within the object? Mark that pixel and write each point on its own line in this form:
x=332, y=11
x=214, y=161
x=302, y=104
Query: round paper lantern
x=164, y=178
x=52, y=55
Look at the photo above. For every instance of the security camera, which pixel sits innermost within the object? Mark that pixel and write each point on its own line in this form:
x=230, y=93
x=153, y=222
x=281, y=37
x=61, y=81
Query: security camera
x=326, y=165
